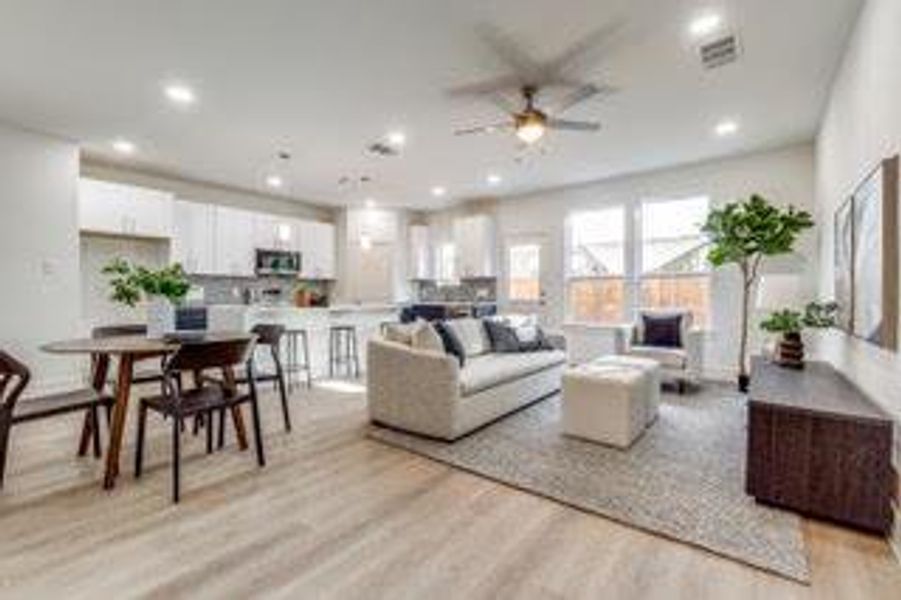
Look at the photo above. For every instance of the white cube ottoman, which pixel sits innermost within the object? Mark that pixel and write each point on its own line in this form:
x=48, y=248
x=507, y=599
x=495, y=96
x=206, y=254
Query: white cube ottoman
x=650, y=367
x=605, y=403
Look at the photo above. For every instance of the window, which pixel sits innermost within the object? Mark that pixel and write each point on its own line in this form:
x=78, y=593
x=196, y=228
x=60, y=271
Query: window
x=596, y=265
x=445, y=263
x=674, y=269
x=614, y=269
x=525, y=272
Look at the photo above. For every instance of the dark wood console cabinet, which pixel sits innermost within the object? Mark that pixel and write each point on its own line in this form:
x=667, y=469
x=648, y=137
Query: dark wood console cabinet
x=818, y=446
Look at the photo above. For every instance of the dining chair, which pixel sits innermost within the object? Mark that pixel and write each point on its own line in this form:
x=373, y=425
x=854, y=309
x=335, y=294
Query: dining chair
x=14, y=378
x=269, y=337
x=207, y=398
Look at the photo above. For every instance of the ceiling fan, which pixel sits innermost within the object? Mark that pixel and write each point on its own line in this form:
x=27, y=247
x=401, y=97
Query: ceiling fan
x=530, y=77
x=530, y=123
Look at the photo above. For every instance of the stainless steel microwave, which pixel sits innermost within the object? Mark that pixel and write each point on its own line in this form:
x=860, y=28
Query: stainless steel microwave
x=277, y=262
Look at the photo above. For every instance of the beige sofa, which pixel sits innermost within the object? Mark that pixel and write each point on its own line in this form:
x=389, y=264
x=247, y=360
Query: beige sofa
x=427, y=392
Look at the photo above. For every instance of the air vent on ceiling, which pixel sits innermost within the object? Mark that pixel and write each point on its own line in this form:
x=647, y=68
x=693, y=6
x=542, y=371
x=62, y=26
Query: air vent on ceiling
x=719, y=52
x=382, y=149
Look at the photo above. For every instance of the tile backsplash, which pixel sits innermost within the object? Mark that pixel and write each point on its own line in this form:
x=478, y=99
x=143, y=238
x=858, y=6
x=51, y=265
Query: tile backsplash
x=233, y=290
x=483, y=289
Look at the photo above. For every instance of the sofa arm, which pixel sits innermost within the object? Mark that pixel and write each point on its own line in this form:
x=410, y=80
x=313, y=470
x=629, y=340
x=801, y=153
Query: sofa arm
x=694, y=350
x=411, y=389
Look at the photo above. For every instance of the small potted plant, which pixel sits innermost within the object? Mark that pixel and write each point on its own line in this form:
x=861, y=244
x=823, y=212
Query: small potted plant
x=163, y=289
x=790, y=323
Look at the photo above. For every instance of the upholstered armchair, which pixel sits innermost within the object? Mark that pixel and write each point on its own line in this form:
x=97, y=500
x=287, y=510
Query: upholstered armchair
x=669, y=337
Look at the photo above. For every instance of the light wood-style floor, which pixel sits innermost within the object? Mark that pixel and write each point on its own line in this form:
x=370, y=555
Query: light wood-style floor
x=335, y=515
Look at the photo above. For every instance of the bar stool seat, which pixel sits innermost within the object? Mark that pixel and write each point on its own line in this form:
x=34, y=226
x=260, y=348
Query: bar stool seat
x=297, y=339
x=343, y=350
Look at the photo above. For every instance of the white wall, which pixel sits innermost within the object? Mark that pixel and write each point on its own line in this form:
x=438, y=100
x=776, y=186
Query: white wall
x=861, y=126
x=784, y=175
x=39, y=248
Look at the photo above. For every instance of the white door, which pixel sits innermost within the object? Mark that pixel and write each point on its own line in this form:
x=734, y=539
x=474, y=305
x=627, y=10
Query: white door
x=526, y=272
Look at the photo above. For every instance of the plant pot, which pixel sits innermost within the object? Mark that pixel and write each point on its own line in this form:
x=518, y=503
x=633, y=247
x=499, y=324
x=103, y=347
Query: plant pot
x=790, y=351
x=160, y=317
x=744, y=382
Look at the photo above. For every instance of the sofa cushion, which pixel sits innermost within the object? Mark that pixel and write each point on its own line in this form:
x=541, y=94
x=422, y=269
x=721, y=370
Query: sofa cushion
x=671, y=358
x=489, y=370
x=471, y=334
x=402, y=333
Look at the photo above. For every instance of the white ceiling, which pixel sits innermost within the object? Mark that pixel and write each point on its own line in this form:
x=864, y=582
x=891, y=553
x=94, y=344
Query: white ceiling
x=323, y=79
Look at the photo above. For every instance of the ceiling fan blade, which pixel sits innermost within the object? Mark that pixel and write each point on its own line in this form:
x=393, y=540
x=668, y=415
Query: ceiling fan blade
x=564, y=125
x=495, y=85
x=483, y=129
x=589, y=90
x=589, y=48
x=512, y=54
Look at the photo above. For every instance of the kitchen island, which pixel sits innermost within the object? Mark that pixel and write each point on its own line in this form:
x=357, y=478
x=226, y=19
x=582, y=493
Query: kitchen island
x=367, y=318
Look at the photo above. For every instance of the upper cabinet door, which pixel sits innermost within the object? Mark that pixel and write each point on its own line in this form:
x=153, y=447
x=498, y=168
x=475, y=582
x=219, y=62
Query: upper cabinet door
x=317, y=247
x=475, y=243
x=234, y=242
x=420, y=253
x=120, y=209
x=193, y=237
x=273, y=232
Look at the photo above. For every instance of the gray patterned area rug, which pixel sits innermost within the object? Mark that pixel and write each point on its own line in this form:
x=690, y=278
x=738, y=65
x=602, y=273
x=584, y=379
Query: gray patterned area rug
x=682, y=479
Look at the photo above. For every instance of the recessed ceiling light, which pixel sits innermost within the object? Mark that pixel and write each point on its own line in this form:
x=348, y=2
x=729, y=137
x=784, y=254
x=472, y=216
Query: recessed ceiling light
x=274, y=181
x=726, y=128
x=369, y=202
x=705, y=24
x=494, y=179
x=397, y=138
x=124, y=146
x=180, y=94
x=438, y=191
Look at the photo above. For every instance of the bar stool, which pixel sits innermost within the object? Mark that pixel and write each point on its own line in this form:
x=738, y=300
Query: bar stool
x=297, y=339
x=343, y=350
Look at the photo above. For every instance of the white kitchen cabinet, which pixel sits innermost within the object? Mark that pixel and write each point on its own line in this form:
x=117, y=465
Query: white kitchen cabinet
x=474, y=238
x=273, y=232
x=420, y=253
x=317, y=247
x=234, y=242
x=193, y=237
x=119, y=209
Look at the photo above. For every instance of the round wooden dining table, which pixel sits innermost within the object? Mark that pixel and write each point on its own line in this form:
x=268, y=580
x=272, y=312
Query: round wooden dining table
x=128, y=350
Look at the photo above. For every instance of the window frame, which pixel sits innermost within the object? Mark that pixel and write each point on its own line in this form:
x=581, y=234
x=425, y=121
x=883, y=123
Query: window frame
x=633, y=255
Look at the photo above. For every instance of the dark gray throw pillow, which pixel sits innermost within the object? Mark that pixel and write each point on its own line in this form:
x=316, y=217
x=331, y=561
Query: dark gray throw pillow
x=452, y=344
x=506, y=338
x=503, y=337
x=664, y=331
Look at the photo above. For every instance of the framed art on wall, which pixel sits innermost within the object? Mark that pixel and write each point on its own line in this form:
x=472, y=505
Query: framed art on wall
x=866, y=257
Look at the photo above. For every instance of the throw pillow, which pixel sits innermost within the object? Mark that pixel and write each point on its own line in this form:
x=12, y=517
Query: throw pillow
x=426, y=338
x=664, y=331
x=503, y=337
x=471, y=334
x=401, y=333
x=451, y=344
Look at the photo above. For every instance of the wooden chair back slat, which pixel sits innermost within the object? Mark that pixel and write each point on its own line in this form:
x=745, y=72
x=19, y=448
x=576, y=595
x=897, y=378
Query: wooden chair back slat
x=108, y=331
x=11, y=370
x=203, y=355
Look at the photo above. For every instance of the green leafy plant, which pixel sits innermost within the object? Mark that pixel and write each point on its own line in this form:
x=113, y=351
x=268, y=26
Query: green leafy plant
x=743, y=233
x=130, y=282
x=816, y=315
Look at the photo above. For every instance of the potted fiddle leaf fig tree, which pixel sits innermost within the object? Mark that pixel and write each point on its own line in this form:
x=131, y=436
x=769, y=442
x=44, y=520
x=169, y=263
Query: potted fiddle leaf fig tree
x=743, y=233
x=790, y=323
x=163, y=289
